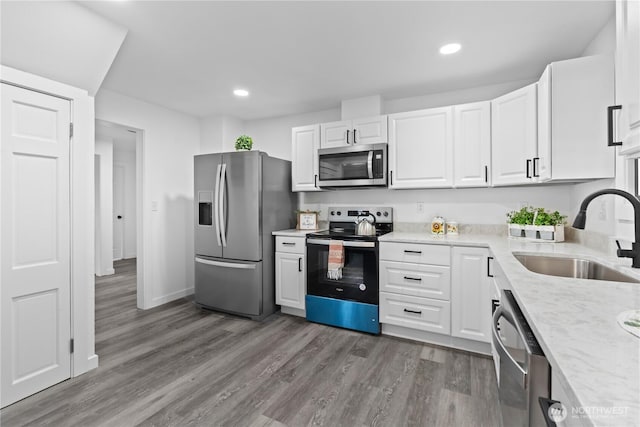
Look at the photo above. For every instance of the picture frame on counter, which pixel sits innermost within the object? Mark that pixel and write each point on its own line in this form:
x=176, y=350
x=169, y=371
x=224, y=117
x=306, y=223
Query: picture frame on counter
x=307, y=220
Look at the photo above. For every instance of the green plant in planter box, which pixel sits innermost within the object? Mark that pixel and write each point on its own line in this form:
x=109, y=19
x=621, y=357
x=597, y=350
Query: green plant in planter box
x=549, y=218
x=522, y=217
x=244, y=142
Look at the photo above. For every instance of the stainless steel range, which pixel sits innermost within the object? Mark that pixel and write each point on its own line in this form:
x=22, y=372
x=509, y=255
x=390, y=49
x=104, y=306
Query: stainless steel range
x=347, y=297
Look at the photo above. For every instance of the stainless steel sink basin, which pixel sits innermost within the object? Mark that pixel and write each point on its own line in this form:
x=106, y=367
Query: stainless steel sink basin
x=572, y=267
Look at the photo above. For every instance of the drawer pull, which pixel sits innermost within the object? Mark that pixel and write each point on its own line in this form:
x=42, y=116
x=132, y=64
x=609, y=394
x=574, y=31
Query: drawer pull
x=417, y=279
x=412, y=311
x=412, y=252
x=289, y=243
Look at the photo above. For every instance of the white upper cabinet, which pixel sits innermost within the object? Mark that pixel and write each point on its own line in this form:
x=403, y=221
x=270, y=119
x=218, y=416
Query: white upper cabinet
x=573, y=97
x=472, y=144
x=336, y=134
x=369, y=130
x=421, y=149
x=627, y=76
x=514, y=137
x=304, y=157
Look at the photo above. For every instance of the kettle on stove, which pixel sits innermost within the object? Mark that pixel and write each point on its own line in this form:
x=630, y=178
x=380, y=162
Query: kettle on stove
x=365, y=225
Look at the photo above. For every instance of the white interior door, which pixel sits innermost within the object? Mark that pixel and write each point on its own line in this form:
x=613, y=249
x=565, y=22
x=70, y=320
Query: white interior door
x=35, y=245
x=118, y=212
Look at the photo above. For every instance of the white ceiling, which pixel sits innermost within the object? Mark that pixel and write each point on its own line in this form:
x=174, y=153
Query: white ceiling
x=306, y=56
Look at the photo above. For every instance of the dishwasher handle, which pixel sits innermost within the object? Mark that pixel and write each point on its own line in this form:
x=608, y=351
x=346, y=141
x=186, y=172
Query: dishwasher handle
x=515, y=370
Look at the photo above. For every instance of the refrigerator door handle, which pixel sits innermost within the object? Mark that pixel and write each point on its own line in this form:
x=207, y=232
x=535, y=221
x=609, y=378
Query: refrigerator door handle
x=216, y=212
x=223, y=179
x=226, y=264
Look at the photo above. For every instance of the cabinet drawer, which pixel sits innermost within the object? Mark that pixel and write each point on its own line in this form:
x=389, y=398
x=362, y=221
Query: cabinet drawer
x=422, y=280
x=414, y=312
x=415, y=253
x=292, y=245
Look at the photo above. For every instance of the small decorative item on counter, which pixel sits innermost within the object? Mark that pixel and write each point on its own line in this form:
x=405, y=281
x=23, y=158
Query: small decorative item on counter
x=244, y=143
x=437, y=225
x=452, y=228
x=536, y=224
x=307, y=220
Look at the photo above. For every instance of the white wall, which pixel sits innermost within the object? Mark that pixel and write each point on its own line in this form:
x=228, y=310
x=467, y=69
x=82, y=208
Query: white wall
x=77, y=47
x=219, y=133
x=171, y=139
x=273, y=136
x=104, y=208
x=127, y=159
x=467, y=206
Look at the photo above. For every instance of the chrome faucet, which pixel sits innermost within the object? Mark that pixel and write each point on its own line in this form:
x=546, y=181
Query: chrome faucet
x=581, y=218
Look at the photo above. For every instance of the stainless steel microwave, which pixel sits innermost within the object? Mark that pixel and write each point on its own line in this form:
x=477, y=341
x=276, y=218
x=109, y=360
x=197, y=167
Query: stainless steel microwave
x=353, y=166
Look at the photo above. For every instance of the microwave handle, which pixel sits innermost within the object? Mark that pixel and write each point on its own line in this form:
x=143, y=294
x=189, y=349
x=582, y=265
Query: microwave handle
x=369, y=162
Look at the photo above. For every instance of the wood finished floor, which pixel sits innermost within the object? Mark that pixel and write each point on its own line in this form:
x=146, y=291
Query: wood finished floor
x=177, y=365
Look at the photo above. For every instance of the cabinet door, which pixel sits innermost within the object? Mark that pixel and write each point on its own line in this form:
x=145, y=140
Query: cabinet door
x=290, y=280
x=573, y=97
x=370, y=130
x=336, y=134
x=472, y=144
x=627, y=72
x=421, y=149
x=471, y=290
x=513, y=136
x=304, y=158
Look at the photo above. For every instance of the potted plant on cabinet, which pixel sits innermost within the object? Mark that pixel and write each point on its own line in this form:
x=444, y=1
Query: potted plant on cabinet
x=244, y=143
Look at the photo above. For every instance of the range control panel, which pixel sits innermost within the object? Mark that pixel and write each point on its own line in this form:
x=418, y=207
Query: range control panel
x=382, y=214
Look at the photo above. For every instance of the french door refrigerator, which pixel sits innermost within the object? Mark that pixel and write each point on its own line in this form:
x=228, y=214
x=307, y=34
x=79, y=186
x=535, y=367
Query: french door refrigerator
x=240, y=199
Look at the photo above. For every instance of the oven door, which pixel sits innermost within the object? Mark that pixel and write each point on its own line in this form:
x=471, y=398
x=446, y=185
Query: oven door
x=359, y=280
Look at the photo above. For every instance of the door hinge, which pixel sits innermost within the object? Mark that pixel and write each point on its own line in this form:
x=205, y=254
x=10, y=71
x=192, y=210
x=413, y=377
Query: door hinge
x=70, y=130
x=71, y=346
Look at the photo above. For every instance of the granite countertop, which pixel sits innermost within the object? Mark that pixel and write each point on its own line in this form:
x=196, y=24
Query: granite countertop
x=595, y=360
x=292, y=232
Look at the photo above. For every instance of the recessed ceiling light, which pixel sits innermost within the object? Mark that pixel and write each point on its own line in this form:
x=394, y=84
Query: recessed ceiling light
x=450, y=48
x=241, y=92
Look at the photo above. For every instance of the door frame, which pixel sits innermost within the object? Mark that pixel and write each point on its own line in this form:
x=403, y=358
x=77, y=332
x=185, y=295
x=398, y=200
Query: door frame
x=82, y=210
x=143, y=297
x=121, y=167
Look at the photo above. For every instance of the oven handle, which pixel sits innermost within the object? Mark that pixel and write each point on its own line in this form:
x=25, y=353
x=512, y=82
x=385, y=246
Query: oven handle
x=515, y=370
x=369, y=161
x=346, y=243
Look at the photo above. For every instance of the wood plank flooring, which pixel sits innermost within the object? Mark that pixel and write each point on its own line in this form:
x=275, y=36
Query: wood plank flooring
x=177, y=365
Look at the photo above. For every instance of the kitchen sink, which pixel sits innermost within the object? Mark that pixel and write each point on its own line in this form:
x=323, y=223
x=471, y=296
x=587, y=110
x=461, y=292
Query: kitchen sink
x=572, y=267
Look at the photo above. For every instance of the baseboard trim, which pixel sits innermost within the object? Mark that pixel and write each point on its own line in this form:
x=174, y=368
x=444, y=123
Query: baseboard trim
x=107, y=272
x=293, y=311
x=157, y=301
x=438, y=339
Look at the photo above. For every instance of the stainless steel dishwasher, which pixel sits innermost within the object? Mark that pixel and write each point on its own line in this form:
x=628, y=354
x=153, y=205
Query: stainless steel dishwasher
x=523, y=372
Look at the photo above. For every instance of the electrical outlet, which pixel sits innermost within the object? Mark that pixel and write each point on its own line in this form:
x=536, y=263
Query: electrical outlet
x=154, y=206
x=420, y=207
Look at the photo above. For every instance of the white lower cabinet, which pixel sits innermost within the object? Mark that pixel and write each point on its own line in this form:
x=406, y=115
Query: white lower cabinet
x=437, y=293
x=290, y=272
x=471, y=292
x=425, y=314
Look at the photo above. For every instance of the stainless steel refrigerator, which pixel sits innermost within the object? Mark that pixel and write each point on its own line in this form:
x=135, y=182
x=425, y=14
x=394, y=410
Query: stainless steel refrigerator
x=240, y=199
